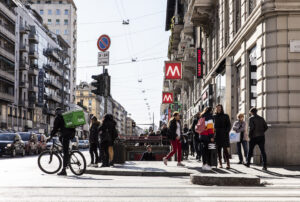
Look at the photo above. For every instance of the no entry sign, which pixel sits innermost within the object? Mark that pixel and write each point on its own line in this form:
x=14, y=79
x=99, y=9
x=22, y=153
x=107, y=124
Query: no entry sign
x=103, y=43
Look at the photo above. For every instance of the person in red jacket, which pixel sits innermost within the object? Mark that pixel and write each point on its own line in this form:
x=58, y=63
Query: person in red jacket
x=207, y=136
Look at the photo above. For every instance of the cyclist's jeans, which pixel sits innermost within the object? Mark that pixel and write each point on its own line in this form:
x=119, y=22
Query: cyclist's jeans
x=65, y=141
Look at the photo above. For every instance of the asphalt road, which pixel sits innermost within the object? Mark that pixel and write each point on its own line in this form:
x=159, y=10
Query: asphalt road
x=21, y=180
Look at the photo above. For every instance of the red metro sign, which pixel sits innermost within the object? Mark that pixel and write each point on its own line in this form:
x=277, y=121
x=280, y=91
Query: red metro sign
x=173, y=70
x=167, y=98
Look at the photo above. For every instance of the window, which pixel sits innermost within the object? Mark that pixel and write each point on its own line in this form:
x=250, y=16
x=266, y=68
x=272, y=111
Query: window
x=41, y=12
x=237, y=17
x=49, y=21
x=57, y=22
x=66, y=12
x=57, y=31
x=66, y=22
x=38, y=2
x=66, y=32
x=57, y=11
x=60, y=2
x=49, y=12
x=48, y=2
x=252, y=4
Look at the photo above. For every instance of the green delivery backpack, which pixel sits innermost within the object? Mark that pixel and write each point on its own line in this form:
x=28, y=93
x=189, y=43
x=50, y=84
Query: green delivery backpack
x=74, y=118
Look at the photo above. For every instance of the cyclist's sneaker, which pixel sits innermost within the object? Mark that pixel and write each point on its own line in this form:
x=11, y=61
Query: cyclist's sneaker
x=90, y=165
x=62, y=173
x=95, y=165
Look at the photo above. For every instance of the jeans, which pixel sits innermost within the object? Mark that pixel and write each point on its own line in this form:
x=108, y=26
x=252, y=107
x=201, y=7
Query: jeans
x=260, y=141
x=176, y=147
x=239, y=149
x=94, y=152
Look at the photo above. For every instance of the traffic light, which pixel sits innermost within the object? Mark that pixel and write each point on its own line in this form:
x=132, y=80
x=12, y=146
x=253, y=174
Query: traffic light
x=133, y=124
x=98, y=84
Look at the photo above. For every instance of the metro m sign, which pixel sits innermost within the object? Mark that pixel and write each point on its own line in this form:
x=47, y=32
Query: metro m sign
x=173, y=70
x=167, y=98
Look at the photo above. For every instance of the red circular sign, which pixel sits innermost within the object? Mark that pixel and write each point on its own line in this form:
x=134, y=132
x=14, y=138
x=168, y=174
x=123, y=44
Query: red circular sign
x=103, y=42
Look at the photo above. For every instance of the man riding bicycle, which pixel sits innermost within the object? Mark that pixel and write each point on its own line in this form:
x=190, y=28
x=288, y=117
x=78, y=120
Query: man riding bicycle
x=66, y=134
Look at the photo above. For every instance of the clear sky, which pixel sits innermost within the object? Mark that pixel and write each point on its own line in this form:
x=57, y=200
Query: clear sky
x=144, y=38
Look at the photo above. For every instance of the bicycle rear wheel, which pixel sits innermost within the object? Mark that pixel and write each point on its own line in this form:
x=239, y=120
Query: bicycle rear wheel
x=77, y=163
x=49, y=162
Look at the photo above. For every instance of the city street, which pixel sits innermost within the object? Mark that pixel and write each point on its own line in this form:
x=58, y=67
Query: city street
x=21, y=180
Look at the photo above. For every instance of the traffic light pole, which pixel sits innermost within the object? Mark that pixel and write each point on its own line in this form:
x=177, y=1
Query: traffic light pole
x=105, y=96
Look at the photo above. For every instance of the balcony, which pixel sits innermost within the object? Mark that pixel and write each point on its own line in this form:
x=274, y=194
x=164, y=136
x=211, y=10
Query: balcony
x=52, y=53
x=53, y=83
x=7, y=75
x=24, y=65
x=24, y=47
x=33, y=71
x=6, y=97
x=7, y=54
x=54, y=98
x=24, y=29
x=201, y=13
x=8, y=33
x=23, y=103
x=34, y=38
x=23, y=84
x=11, y=14
x=33, y=54
x=33, y=88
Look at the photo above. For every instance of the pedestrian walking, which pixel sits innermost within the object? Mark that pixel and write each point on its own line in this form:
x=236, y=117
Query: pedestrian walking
x=108, y=134
x=164, y=132
x=174, y=134
x=222, y=129
x=66, y=134
x=205, y=128
x=191, y=142
x=94, y=142
x=257, y=129
x=240, y=127
x=196, y=138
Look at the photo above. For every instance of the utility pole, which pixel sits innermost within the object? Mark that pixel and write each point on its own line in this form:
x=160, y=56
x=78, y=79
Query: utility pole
x=105, y=96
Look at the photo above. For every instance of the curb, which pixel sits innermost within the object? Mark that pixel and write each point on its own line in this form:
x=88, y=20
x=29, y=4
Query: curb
x=136, y=173
x=225, y=180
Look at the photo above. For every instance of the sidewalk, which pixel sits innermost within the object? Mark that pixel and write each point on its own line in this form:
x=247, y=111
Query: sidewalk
x=273, y=177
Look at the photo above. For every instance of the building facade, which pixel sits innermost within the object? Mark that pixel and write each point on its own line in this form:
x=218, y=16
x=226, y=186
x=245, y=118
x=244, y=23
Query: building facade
x=60, y=16
x=249, y=59
x=120, y=115
x=88, y=100
x=7, y=60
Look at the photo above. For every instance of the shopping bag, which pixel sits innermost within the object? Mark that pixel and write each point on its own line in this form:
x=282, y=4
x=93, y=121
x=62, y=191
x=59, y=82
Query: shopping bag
x=213, y=154
x=234, y=137
x=74, y=118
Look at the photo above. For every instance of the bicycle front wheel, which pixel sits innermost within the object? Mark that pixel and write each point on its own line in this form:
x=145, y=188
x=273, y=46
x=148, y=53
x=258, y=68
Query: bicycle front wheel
x=49, y=162
x=77, y=163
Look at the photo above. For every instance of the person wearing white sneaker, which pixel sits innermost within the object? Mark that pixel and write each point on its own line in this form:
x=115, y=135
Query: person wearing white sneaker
x=174, y=134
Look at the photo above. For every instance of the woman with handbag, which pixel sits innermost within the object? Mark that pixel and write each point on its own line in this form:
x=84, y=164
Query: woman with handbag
x=240, y=127
x=174, y=134
x=108, y=134
x=222, y=129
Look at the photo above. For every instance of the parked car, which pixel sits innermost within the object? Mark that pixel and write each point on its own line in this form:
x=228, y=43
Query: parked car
x=31, y=142
x=87, y=144
x=75, y=143
x=42, y=142
x=81, y=144
x=11, y=144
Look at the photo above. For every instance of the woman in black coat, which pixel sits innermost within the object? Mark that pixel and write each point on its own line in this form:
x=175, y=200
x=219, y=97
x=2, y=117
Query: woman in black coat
x=94, y=141
x=108, y=134
x=222, y=129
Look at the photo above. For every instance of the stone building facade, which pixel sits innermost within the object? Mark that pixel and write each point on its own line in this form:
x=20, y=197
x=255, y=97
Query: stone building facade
x=250, y=58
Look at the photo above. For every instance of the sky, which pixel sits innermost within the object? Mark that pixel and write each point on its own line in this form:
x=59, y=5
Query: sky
x=144, y=39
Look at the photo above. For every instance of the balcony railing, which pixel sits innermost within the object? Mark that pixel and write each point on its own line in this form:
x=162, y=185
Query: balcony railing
x=7, y=54
x=33, y=37
x=33, y=54
x=24, y=29
x=23, y=84
x=7, y=32
x=23, y=103
x=52, y=53
x=24, y=47
x=6, y=96
x=8, y=76
x=24, y=65
x=33, y=87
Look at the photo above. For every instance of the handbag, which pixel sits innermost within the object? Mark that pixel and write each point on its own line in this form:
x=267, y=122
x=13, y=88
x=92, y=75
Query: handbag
x=234, y=136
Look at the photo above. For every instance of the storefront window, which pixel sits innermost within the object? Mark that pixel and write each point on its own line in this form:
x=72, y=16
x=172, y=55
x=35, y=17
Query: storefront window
x=220, y=88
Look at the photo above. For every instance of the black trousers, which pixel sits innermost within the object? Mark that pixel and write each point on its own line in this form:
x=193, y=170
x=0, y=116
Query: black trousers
x=94, y=153
x=65, y=141
x=198, y=147
x=204, y=140
x=260, y=141
x=104, y=153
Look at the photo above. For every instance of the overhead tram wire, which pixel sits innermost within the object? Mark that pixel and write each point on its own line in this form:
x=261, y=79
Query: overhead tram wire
x=118, y=21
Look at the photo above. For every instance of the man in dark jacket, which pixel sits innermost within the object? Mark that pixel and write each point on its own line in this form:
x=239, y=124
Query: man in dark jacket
x=197, y=143
x=164, y=133
x=94, y=141
x=66, y=134
x=257, y=129
x=148, y=155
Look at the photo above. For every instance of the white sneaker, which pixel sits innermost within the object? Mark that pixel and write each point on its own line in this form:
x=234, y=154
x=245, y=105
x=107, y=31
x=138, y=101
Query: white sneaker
x=165, y=161
x=208, y=168
x=95, y=165
x=180, y=164
x=90, y=165
x=204, y=167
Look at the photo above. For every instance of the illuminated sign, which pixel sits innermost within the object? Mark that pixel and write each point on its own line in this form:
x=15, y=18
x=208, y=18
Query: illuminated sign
x=199, y=63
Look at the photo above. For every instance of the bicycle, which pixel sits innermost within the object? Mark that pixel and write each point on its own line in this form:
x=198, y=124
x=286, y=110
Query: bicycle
x=50, y=161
